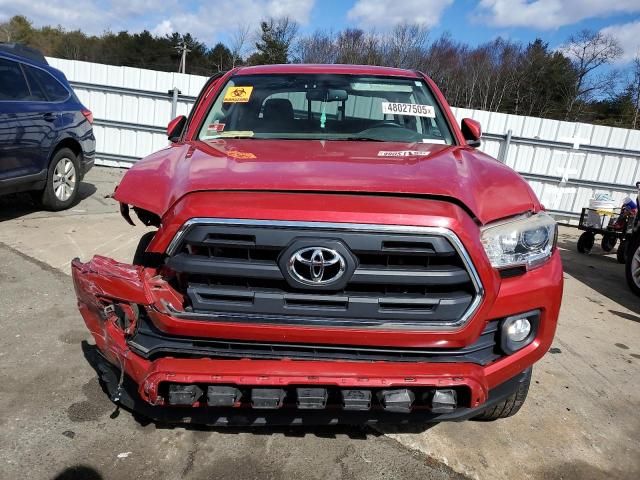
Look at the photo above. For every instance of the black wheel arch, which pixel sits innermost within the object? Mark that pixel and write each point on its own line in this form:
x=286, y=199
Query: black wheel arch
x=66, y=142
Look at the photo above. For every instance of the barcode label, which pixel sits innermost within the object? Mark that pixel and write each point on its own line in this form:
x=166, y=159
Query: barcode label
x=412, y=109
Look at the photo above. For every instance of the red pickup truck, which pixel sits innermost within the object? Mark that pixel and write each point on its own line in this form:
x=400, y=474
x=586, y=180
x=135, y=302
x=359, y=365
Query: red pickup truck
x=330, y=246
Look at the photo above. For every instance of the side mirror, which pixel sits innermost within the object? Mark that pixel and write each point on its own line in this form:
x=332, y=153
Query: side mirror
x=175, y=127
x=471, y=131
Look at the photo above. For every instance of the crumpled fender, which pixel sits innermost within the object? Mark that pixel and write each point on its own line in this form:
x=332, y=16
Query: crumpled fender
x=100, y=285
x=105, y=277
x=104, y=282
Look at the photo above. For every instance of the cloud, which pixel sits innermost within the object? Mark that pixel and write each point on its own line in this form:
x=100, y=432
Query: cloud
x=165, y=27
x=628, y=35
x=90, y=16
x=384, y=14
x=206, y=22
x=204, y=19
x=549, y=14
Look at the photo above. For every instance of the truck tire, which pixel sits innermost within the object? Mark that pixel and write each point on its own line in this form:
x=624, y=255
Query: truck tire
x=585, y=242
x=632, y=265
x=63, y=181
x=510, y=405
x=142, y=257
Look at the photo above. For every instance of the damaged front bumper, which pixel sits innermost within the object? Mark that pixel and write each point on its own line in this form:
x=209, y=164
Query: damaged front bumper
x=115, y=299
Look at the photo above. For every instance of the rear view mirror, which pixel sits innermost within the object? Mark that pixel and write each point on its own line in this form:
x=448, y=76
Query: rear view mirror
x=471, y=131
x=327, y=95
x=175, y=127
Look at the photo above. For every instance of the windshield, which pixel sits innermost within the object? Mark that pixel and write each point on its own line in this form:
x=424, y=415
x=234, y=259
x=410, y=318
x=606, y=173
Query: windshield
x=326, y=107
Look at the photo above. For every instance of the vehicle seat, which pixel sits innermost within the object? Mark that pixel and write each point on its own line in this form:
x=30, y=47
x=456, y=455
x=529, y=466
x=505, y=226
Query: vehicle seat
x=278, y=112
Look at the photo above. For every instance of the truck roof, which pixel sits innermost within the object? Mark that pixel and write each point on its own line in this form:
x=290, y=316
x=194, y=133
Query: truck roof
x=299, y=68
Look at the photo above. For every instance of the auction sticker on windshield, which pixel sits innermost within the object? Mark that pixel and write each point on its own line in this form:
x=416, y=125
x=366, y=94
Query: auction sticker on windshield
x=412, y=109
x=237, y=94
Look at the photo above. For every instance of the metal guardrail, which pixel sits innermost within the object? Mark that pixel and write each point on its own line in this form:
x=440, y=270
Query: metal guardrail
x=580, y=183
x=508, y=138
x=130, y=126
x=133, y=92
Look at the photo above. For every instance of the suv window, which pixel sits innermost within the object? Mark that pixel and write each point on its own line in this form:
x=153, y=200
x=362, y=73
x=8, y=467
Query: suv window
x=327, y=107
x=37, y=92
x=13, y=85
x=53, y=89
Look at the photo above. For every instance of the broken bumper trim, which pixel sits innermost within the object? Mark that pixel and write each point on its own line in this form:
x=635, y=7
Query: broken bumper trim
x=249, y=417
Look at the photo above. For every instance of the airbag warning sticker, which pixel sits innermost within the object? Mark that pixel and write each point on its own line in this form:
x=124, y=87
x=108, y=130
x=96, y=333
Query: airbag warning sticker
x=412, y=109
x=237, y=94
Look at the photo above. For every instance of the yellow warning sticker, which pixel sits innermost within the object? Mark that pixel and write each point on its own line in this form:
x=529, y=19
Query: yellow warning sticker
x=237, y=94
x=241, y=155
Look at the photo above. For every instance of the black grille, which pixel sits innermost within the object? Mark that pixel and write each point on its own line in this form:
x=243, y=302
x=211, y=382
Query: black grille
x=151, y=343
x=398, y=279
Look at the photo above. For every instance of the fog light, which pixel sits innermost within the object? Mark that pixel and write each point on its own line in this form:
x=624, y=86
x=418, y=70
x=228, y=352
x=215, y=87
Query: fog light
x=518, y=331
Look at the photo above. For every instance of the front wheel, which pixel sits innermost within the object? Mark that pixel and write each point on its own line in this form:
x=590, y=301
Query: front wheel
x=63, y=182
x=585, y=242
x=510, y=405
x=632, y=265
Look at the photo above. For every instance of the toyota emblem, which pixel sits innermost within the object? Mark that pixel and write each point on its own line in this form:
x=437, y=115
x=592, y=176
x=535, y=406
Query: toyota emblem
x=316, y=266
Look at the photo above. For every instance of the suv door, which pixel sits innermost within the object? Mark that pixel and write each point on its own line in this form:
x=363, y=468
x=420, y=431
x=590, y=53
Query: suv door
x=20, y=129
x=48, y=107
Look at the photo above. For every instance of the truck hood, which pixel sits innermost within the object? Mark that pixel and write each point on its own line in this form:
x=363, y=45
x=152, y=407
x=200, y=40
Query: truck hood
x=488, y=189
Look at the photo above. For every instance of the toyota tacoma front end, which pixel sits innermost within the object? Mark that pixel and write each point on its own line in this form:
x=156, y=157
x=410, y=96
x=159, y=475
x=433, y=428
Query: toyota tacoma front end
x=330, y=247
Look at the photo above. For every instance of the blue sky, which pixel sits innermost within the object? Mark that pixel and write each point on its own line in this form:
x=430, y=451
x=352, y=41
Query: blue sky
x=471, y=21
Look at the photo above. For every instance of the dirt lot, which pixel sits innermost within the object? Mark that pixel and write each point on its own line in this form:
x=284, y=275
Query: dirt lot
x=581, y=419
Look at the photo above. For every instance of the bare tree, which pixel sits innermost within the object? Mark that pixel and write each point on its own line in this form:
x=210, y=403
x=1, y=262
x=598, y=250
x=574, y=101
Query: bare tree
x=239, y=42
x=357, y=47
x=319, y=47
x=634, y=91
x=403, y=47
x=589, y=50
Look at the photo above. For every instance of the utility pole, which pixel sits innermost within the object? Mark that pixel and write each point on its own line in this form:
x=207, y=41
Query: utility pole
x=182, y=48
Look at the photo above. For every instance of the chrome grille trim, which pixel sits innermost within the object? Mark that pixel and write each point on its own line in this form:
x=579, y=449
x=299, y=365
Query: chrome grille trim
x=359, y=227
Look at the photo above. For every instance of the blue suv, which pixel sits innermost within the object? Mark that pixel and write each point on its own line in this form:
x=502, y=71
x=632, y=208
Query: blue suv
x=46, y=138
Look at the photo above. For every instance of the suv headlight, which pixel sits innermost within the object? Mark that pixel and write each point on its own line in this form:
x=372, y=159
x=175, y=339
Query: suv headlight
x=522, y=241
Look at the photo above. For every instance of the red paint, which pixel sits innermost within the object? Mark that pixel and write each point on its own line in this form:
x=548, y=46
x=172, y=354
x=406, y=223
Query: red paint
x=481, y=183
x=456, y=187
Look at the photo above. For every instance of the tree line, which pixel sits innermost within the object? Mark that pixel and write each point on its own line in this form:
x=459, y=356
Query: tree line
x=576, y=82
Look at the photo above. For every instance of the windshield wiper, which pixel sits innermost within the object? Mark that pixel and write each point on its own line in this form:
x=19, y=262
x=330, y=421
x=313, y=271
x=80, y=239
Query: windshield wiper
x=362, y=139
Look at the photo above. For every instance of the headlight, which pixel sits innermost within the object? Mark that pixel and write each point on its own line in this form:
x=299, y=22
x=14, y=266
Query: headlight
x=523, y=241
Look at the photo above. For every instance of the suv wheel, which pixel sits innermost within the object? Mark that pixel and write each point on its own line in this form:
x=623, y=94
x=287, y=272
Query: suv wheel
x=62, y=181
x=510, y=405
x=632, y=266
